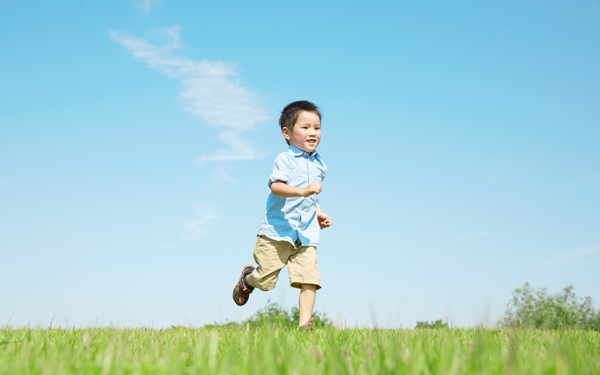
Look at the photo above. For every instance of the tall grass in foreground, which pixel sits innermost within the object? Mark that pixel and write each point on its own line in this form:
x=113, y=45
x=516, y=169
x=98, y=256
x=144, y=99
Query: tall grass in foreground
x=279, y=350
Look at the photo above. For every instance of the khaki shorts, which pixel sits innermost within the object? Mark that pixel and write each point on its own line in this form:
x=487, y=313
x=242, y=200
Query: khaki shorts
x=272, y=256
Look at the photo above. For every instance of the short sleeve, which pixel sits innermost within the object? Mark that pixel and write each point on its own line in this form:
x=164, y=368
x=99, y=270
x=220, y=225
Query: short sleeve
x=323, y=169
x=281, y=169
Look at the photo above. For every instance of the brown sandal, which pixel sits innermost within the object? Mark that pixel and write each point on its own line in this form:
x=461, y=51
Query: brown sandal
x=241, y=291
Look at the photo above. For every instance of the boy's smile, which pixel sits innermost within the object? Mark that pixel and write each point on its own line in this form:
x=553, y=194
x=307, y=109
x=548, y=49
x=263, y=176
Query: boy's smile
x=307, y=132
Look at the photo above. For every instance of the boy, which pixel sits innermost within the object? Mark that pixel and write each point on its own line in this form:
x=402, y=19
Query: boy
x=289, y=232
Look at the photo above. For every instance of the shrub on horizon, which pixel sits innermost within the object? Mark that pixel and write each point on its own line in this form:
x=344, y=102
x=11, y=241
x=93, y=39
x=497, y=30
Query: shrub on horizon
x=274, y=314
x=431, y=325
x=531, y=308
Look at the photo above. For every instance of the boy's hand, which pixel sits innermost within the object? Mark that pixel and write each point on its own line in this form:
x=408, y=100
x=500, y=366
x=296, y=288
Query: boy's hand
x=324, y=220
x=313, y=188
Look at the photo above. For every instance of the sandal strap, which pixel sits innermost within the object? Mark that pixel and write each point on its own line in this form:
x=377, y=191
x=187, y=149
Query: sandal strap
x=307, y=327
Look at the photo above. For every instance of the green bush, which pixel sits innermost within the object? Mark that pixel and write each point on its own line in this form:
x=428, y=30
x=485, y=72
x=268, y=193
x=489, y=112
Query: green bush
x=320, y=320
x=272, y=314
x=531, y=308
x=275, y=315
x=431, y=325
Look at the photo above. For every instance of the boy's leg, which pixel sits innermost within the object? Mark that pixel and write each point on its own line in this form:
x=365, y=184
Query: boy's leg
x=250, y=280
x=303, y=269
x=271, y=256
x=306, y=302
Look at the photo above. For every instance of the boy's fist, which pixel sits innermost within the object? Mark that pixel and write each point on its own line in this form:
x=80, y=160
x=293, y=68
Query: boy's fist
x=324, y=220
x=313, y=188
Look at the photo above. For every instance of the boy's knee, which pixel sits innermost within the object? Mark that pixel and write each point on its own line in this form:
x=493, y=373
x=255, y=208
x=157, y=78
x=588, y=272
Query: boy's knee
x=262, y=282
x=308, y=286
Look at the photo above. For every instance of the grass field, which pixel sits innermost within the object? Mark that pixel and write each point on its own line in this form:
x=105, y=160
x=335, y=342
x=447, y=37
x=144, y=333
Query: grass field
x=272, y=350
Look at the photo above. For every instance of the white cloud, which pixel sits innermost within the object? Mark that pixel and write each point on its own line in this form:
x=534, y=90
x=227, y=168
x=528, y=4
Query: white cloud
x=219, y=177
x=145, y=5
x=240, y=149
x=197, y=226
x=571, y=255
x=210, y=92
x=221, y=174
x=472, y=236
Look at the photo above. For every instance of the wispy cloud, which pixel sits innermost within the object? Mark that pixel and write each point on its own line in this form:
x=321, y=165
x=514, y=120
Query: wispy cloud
x=210, y=91
x=219, y=177
x=571, y=255
x=145, y=5
x=472, y=236
x=197, y=226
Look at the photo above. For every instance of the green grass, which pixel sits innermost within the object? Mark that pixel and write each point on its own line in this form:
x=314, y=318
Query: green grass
x=272, y=350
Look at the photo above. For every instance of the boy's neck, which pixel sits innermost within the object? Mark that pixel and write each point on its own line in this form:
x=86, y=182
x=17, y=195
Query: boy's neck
x=299, y=149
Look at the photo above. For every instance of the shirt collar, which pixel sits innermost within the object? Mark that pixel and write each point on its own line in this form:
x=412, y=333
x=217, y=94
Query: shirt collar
x=297, y=152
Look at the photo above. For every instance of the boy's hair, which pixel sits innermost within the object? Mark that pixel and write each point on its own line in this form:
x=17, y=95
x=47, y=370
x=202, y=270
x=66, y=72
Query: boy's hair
x=290, y=113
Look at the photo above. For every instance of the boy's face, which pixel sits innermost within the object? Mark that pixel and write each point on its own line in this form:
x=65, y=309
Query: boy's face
x=307, y=132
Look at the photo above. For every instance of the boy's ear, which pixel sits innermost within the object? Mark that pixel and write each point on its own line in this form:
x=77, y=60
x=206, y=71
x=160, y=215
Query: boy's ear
x=286, y=133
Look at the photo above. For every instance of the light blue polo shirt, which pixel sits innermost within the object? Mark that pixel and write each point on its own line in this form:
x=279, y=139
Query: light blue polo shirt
x=287, y=219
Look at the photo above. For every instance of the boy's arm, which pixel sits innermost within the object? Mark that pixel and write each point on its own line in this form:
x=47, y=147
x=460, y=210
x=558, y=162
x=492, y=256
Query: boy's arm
x=281, y=189
x=323, y=218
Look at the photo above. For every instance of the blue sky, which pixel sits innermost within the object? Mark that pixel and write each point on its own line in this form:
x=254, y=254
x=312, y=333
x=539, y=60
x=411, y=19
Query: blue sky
x=136, y=139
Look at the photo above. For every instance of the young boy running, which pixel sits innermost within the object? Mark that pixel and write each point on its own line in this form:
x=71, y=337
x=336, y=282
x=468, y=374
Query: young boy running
x=289, y=232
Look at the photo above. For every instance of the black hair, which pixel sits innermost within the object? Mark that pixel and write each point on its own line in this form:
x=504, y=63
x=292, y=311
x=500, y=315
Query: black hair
x=290, y=113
